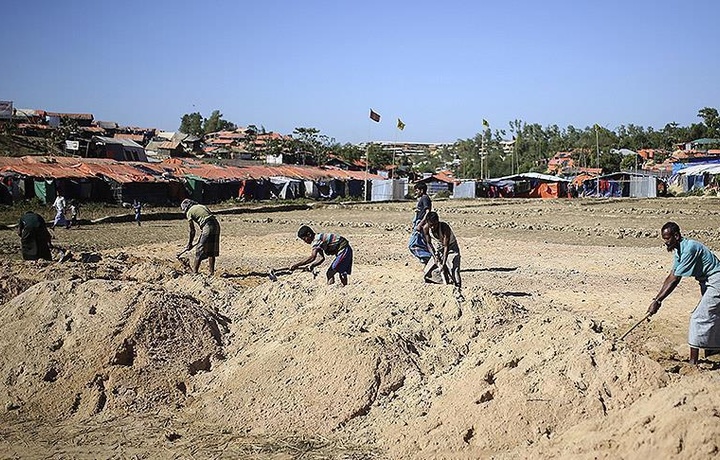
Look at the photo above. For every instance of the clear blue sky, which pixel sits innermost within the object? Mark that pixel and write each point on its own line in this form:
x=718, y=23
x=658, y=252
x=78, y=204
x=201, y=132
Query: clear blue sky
x=441, y=67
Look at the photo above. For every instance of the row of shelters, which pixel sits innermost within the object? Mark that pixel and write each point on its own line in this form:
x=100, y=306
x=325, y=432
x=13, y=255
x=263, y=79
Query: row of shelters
x=170, y=181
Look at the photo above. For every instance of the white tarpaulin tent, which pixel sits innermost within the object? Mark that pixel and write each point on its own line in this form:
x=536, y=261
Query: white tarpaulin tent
x=386, y=190
x=465, y=189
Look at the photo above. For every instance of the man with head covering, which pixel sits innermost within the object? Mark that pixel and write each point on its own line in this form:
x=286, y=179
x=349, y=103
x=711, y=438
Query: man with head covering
x=34, y=237
x=208, y=244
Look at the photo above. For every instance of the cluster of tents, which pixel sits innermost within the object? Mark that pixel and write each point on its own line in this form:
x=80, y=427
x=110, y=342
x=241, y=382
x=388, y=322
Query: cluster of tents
x=536, y=185
x=170, y=181
x=704, y=177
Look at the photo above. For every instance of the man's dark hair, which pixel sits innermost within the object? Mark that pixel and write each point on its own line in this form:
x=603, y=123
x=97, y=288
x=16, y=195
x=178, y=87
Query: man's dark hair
x=304, y=231
x=422, y=186
x=672, y=227
x=432, y=216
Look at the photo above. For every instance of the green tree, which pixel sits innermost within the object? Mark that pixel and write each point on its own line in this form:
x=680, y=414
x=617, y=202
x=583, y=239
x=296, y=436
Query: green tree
x=347, y=151
x=192, y=123
x=309, y=142
x=711, y=121
x=377, y=156
x=215, y=123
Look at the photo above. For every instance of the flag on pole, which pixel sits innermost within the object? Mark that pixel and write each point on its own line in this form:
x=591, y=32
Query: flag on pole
x=374, y=116
x=400, y=125
x=485, y=123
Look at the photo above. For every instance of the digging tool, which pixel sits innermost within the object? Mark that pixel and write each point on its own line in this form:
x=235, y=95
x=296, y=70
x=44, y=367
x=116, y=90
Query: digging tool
x=274, y=273
x=646, y=317
x=185, y=250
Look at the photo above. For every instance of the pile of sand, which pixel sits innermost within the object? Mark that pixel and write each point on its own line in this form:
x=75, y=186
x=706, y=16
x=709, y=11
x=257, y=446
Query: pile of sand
x=384, y=361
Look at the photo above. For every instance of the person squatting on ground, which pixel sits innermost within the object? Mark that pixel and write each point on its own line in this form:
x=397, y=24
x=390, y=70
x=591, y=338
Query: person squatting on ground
x=34, y=237
x=417, y=244
x=692, y=258
x=331, y=244
x=137, y=207
x=208, y=244
x=446, y=257
x=60, y=206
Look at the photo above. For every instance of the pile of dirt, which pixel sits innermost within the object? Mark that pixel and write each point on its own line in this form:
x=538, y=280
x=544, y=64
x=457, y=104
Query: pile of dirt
x=385, y=362
x=77, y=348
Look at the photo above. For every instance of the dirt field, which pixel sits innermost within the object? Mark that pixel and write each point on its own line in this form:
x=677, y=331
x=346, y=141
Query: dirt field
x=120, y=353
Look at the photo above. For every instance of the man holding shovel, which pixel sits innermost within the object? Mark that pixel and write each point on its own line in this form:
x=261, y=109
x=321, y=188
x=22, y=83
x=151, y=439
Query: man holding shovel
x=208, y=244
x=692, y=258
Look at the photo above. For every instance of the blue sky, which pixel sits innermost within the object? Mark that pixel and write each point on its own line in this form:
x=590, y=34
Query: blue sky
x=441, y=67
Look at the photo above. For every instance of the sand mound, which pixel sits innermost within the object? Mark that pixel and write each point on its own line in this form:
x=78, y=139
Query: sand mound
x=386, y=362
x=310, y=359
x=79, y=348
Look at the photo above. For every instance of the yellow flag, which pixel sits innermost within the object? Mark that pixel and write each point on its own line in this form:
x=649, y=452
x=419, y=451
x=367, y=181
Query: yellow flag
x=400, y=125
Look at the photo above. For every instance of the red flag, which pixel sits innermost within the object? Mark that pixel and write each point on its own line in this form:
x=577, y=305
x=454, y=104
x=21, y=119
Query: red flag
x=374, y=116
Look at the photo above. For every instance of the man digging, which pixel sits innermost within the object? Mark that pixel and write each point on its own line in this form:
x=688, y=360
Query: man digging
x=692, y=258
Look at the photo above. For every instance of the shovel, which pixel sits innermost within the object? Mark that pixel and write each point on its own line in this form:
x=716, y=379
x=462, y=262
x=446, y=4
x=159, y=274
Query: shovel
x=185, y=250
x=274, y=273
x=646, y=317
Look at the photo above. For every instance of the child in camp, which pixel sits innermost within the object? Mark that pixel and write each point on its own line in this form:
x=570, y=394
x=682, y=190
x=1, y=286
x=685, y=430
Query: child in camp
x=326, y=243
x=137, y=207
x=446, y=257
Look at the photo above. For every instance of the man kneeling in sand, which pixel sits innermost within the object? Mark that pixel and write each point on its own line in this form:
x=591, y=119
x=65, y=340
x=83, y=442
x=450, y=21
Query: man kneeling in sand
x=326, y=243
x=446, y=257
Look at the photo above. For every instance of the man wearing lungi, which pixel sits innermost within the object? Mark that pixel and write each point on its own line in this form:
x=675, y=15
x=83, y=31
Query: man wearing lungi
x=208, y=244
x=417, y=244
x=692, y=258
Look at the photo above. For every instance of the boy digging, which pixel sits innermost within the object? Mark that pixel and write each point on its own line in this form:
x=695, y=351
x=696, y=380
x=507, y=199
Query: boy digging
x=446, y=257
x=326, y=243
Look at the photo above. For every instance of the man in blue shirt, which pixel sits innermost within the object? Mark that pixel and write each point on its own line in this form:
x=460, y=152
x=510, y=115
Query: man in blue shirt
x=417, y=244
x=692, y=258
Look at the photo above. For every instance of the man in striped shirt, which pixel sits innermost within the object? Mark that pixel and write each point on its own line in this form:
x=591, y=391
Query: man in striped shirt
x=326, y=243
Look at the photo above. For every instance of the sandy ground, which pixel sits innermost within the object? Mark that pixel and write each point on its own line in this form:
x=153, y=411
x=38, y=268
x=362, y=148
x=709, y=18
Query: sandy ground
x=120, y=353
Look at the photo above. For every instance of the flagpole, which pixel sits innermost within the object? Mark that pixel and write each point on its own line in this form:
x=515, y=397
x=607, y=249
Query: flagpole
x=392, y=171
x=367, y=162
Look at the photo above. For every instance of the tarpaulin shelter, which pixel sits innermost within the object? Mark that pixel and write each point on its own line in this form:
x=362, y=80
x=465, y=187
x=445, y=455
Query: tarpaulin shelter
x=465, y=189
x=389, y=189
x=623, y=184
x=286, y=189
x=696, y=176
x=125, y=182
x=439, y=182
x=531, y=185
x=45, y=177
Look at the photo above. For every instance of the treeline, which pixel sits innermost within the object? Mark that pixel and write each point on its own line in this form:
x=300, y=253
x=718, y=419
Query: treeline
x=495, y=152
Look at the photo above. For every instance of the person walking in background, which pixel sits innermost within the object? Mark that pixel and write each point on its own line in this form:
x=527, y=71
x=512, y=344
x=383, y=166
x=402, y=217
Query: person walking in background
x=331, y=244
x=137, y=207
x=417, y=244
x=692, y=258
x=34, y=237
x=60, y=206
x=208, y=244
